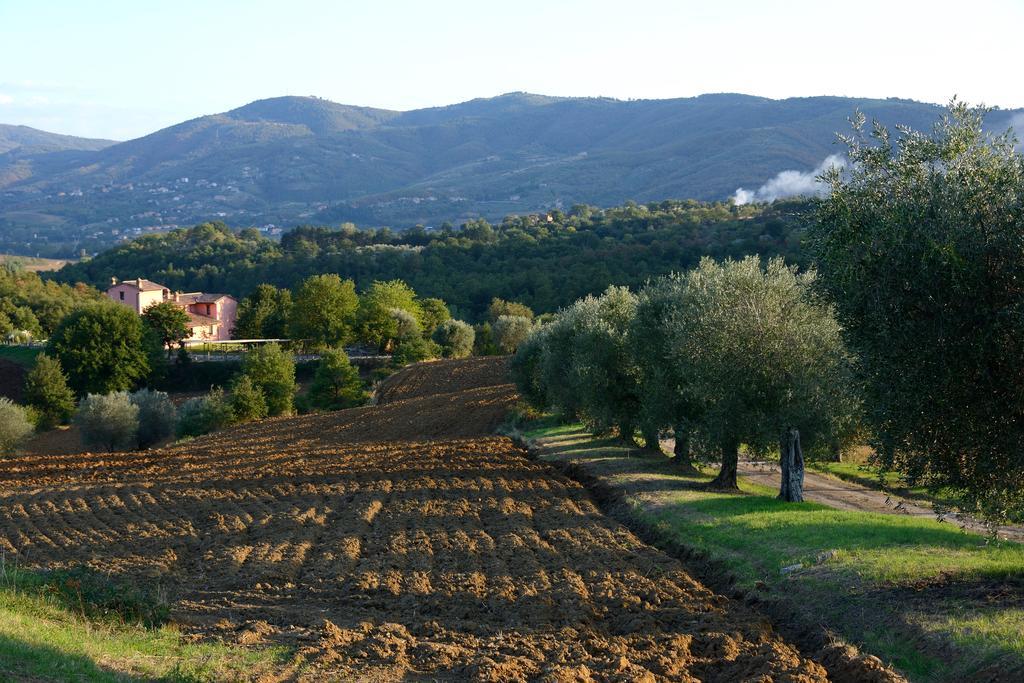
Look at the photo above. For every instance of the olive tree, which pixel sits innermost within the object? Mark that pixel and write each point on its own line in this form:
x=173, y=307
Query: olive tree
x=921, y=245
x=109, y=421
x=666, y=399
x=604, y=376
x=510, y=331
x=15, y=425
x=765, y=360
x=157, y=417
x=455, y=338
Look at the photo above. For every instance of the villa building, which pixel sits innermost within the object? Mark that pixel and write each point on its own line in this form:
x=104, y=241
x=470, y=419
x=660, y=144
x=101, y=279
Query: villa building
x=211, y=316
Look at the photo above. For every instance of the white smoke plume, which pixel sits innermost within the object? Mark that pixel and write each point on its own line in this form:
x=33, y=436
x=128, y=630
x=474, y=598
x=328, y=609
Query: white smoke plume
x=790, y=183
x=1017, y=123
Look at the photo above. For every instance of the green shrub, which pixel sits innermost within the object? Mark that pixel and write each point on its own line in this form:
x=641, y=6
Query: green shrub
x=47, y=390
x=157, y=417
x=415, y=349
x=247, y=400
x=455, y=338
x=109, y=421
x=91, y=594
x=15, y=425
x=204, y=414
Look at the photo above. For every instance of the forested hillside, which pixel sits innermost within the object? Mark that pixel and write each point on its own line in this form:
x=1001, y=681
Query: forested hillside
x=543, y=260
x=285, y=161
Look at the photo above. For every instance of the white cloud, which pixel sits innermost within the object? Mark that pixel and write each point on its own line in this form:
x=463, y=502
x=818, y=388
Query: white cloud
x=6, y=99
x=790, y=183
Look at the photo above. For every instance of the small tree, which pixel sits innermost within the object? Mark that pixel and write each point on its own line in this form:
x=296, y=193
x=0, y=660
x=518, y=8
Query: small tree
x=336, y=384
x=204, y=414
x=157, y=417
x=455, y=338
x=376, y=323
x=169, y=322
x=47, y=390
x=483, y=343
x=500, y=307
x=15, y=426
x=510, y=331
x=101, y=347
x=324, y=311
x=526, y=369
x=109, y=421
x=264, y=314
x=435, y=312
x=247, y=400
x=272, y=370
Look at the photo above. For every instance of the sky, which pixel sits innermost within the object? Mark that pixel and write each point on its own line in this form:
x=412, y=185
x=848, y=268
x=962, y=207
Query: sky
x=120, y=69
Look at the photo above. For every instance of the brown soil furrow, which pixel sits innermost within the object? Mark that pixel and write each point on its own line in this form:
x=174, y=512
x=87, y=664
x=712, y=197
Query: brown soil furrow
x=396, y=542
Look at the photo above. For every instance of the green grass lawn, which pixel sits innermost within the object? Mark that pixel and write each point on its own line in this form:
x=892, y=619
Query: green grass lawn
x=22, y=355
x=913, y=591
x=44, y=637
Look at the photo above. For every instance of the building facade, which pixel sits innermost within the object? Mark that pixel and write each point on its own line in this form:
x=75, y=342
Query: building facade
x=211, y=316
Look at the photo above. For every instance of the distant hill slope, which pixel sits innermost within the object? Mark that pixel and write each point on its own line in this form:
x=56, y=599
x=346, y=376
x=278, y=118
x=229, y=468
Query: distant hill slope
x=295, y=160
x=31, y=140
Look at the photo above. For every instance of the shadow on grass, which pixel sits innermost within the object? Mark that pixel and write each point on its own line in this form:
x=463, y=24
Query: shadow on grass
x=20, y=660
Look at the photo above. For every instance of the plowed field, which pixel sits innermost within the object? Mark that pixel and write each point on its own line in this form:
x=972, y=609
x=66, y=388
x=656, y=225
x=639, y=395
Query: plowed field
x=395, y=542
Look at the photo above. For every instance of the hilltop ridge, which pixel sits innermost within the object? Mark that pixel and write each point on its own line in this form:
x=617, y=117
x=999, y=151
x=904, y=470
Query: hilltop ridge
x=304, y=160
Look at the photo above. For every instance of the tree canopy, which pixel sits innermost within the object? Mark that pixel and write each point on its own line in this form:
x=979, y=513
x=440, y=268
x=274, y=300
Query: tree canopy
x=921, y=245
x=101, y=347
x=324, y=311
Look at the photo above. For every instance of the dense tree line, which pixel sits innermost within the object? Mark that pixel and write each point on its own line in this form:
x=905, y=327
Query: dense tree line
x=545, y=261
x=908, y=332
x=29, y=303
x=727, y=354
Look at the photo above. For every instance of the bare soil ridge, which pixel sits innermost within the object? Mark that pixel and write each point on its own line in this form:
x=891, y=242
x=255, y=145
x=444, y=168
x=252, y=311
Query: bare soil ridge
x=395, y=542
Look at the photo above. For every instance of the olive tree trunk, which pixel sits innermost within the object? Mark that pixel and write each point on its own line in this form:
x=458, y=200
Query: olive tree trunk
x=791, y=457
x=627, y=432
x=681, y=450
x=651, y=440
x=726, y=478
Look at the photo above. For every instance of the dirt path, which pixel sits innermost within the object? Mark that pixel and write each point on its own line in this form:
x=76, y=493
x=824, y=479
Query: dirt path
x=847, y=495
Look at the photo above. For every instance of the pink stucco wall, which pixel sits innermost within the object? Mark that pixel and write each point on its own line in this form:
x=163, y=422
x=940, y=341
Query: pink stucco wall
x=227, y=314
x=224, y=309
x=133, y=298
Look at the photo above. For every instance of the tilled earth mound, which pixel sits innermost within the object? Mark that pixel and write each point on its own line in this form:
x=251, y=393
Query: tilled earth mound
x=387, y=557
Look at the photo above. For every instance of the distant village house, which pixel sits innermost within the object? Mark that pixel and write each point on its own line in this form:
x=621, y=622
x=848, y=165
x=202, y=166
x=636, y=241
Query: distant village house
x=211, y=316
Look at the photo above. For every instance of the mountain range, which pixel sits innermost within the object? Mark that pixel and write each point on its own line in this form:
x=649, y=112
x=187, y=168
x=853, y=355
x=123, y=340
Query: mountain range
x=289, y=160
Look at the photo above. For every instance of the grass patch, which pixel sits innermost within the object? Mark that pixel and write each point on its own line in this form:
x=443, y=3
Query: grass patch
x=22, y=355
x=77, y=626
x=866, y=575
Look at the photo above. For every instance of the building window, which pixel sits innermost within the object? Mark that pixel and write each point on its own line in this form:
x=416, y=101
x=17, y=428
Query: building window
x=122, y=295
